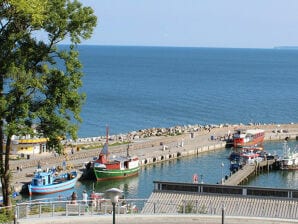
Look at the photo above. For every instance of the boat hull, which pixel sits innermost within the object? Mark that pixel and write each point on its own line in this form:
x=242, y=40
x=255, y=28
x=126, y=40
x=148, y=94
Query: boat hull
x=105, y=174
x=257, y=141
x=288, y=165
x=292, y=167
x=53, y=188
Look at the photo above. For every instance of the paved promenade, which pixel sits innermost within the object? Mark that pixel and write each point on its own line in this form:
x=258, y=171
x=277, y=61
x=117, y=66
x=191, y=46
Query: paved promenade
x=155, y=219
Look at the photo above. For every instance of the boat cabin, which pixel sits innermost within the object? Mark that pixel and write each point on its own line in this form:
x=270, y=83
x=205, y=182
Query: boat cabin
x=42, y=179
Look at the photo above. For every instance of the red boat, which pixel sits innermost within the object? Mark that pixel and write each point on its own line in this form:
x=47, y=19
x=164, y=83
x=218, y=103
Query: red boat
x=248, y=137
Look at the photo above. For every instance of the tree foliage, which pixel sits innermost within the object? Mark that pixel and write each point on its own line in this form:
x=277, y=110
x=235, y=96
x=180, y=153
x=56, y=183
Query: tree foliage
x=39, y=79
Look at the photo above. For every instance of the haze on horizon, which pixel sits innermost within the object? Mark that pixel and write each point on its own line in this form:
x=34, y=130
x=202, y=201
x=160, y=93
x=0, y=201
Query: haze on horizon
x=195, y=23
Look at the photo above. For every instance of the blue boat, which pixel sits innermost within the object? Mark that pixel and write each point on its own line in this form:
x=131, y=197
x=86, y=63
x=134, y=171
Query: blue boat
x=236, y=164
x=49, y=182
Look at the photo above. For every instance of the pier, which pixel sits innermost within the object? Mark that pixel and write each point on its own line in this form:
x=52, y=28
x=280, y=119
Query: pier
x=243, y=174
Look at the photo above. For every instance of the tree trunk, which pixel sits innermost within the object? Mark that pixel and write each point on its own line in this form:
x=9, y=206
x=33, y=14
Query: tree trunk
x=5, y=172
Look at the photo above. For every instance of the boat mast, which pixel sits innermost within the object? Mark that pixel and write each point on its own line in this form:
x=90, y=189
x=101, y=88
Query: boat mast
x=127, y=150
x=107, y=134
x=107, y=142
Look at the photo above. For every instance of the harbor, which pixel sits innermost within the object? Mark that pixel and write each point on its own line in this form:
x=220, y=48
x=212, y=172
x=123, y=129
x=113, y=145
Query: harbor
x=160, y=149
x=153, y=150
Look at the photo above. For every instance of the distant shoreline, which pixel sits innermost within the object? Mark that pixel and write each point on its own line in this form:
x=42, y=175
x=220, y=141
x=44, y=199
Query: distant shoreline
x=286, y=47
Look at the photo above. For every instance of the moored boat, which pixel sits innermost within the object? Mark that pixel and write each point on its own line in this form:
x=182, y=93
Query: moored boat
x=236, y=164
x=251, y=157
x=116, y=168
x=289, y=160
x=248, y=137
x=48, y=182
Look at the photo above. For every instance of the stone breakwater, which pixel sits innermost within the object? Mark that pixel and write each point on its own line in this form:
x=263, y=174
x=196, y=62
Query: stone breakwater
x=152, y=145
x=177, y=130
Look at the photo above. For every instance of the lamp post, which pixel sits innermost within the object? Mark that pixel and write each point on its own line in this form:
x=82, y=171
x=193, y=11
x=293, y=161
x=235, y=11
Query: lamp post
x=114, y=194
x=223, y=213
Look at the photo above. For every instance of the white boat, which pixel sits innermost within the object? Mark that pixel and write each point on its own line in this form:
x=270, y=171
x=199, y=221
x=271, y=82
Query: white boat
x=289, y=161
x=251, y=157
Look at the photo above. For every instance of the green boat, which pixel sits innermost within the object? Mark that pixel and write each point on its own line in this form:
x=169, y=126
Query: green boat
x=117, y=168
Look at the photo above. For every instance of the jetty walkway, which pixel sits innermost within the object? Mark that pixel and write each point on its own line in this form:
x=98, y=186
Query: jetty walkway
x=242, y=175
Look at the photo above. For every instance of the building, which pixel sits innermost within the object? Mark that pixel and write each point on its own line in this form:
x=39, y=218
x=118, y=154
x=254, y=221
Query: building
x=28, y=146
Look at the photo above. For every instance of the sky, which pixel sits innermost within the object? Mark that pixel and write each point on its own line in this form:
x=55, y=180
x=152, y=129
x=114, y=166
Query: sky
x=195, y=23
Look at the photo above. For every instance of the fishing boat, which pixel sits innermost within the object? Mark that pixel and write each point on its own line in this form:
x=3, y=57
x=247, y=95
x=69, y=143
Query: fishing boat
x=248, y=137
x=289, y=160
x=48, y=182
x=115, y=168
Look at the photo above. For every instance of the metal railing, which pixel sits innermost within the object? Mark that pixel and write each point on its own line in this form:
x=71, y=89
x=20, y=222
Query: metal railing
x=66, y=207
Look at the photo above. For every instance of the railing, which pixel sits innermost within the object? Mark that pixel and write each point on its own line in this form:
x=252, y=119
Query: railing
x=65, y=208
x=226, y=189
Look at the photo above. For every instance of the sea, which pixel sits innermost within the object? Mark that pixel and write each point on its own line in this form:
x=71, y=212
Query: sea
x=132, y=88
x=129, y=88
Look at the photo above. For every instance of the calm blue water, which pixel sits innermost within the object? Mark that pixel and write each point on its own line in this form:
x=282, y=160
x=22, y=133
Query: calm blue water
x=132, y=88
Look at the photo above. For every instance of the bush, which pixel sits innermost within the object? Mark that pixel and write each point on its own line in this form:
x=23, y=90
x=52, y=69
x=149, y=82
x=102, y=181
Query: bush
x=6, y=216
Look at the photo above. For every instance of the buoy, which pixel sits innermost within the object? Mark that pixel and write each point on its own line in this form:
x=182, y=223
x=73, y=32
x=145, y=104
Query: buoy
x=195, y=178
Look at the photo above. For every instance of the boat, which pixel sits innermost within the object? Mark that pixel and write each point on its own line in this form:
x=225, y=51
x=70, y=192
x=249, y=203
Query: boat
x=236, y=152
x=251, y=157
x=248, y=137
x=236, y=164
x=48, y=182
x=289, y=160
x=115, y=168
x=235, y=155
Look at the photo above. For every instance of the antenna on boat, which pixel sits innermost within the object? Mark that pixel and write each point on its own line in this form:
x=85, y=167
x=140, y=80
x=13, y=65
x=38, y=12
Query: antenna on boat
x=107, y=134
